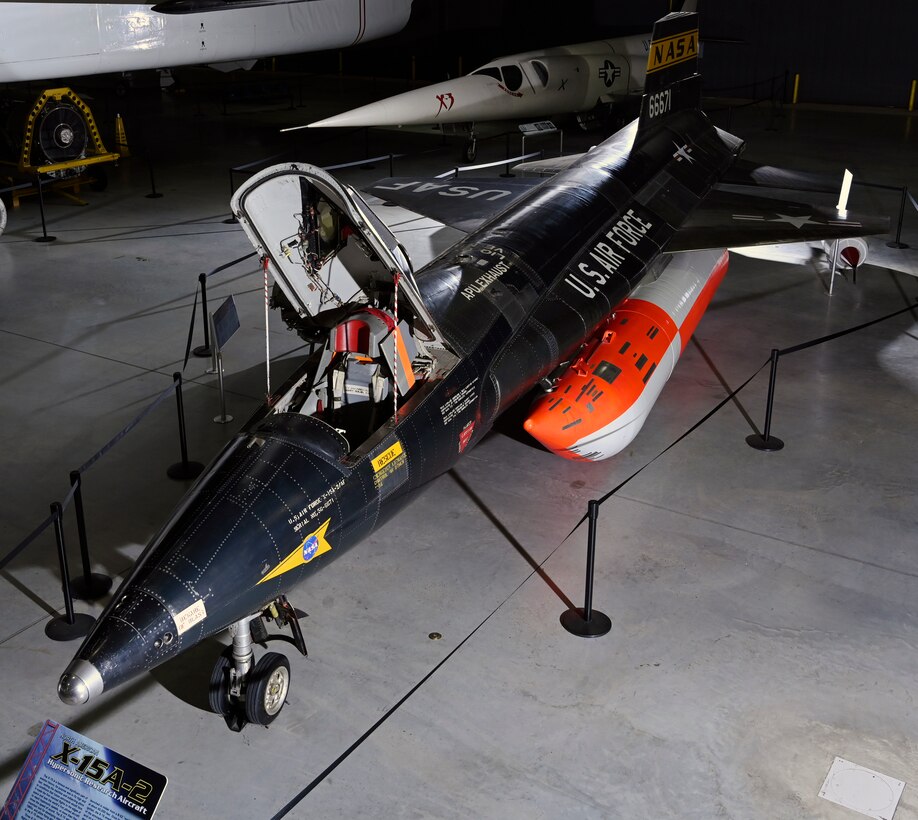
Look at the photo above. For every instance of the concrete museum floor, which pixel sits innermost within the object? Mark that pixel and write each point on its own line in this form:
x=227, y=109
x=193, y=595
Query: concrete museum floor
x=763, y=604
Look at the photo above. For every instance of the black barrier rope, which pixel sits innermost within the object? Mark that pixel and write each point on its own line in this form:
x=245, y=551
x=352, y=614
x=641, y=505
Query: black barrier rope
x=733, y=394
x=188, y=342
x=587, y=622
x=92, y=581
x=127, y=429
x=204, y=350
x=768, y=443
x=729, y=397
x=317, y=780
x=579, y=621
x=904, y=196
x=838, y=334
x=26, y=541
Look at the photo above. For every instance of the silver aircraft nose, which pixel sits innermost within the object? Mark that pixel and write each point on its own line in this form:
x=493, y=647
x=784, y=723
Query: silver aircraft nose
x=80, y=682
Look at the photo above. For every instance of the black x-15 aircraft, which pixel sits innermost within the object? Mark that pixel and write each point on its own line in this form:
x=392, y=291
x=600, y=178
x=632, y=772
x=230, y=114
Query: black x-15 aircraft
x=572, y=281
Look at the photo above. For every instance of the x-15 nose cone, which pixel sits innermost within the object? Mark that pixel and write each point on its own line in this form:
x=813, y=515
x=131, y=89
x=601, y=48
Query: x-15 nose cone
x=79, y=683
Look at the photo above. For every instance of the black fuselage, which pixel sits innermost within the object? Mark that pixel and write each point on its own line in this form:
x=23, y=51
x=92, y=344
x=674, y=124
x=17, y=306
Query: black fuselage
x=513, y=300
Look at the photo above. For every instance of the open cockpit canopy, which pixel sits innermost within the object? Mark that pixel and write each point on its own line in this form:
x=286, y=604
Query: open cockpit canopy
x=344, y=282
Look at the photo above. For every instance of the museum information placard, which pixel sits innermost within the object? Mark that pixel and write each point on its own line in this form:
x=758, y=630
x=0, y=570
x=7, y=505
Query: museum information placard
x=68, y=775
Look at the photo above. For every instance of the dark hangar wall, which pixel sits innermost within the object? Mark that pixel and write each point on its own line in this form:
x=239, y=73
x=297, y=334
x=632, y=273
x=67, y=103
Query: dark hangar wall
x=848, y=51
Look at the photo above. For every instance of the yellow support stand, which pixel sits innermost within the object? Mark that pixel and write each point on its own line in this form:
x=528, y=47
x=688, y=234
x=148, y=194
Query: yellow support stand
x=121, y=137
x=56, y=99
x=796, y=87
x=911, y=96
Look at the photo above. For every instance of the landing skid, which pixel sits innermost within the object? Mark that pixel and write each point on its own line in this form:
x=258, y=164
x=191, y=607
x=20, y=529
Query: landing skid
x=245, y=692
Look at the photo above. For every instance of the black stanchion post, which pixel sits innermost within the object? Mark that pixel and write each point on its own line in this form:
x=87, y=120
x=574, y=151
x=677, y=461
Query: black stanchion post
x=390, y=165
x=154, y=194
x=203, y=351
x=766, y=441
x=91, y=585
x=587, y=622
x=184, y=469
x=898, y=243
x=41, y=207
x=69, y=626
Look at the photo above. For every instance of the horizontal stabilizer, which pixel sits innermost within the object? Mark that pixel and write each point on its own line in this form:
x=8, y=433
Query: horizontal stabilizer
x=727, y=220
x=463, y=203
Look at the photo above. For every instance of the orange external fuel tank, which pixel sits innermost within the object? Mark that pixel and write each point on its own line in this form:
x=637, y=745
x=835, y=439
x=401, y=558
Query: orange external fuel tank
x=601, y=402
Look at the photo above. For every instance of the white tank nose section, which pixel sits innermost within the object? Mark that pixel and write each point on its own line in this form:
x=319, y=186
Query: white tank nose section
x=80, y=682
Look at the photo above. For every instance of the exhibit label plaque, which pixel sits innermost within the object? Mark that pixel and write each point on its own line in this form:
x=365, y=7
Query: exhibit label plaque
x=68, y=775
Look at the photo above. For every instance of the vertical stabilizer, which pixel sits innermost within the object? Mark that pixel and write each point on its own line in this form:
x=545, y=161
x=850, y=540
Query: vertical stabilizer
x=673, y=82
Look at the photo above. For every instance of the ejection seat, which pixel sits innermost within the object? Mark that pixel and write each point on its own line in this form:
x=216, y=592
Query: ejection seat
x=366, y=357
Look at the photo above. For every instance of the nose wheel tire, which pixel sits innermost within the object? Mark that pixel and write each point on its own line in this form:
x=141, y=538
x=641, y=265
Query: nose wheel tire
x=219, y=693
x=266, y=689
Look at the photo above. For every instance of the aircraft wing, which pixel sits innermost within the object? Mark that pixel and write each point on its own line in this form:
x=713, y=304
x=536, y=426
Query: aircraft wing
x=724, y=218
x=463, y=203
x=727, y=219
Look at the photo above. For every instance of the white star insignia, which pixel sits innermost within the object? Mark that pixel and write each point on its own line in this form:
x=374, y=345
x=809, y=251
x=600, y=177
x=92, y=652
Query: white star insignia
x=796, y=221
x=682, y=152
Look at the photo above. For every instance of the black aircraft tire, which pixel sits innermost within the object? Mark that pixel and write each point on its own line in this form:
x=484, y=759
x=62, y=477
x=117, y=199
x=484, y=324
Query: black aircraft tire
x=471, y=151
x=267, y=688
x=218, y=695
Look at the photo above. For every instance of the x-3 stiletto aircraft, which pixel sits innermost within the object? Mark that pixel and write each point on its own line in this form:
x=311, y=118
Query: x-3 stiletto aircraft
x=588, y=283
x=44, y=40
x=592, y=80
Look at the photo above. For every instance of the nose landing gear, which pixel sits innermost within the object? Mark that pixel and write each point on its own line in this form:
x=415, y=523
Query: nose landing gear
x=244, y=693
x=471, y=148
